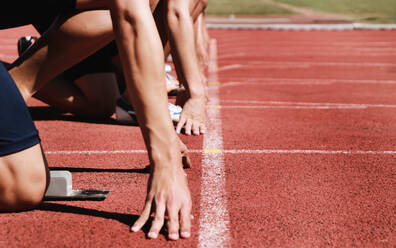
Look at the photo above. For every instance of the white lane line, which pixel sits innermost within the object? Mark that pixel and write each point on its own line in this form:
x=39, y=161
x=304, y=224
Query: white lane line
x=303, y=65
x=4, y=56
x=271, y=42
x=267, y=83
x=307, y=27
x=226, y=151
x=93, y=152
x=234, y=20
x=230, y=67
x=214, y=218
x=357, y=152
x=297, y=81
x=289, y=52
x=290, y=107
x=7, y=47
x=324, y=105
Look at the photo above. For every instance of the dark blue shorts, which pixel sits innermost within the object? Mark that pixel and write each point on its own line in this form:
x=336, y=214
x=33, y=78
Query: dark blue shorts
x=17, y=130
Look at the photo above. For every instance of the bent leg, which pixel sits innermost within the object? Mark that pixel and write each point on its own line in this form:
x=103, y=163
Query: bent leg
x=23, y=171
x=23, y=179
x=90, y=96
x=67, y=42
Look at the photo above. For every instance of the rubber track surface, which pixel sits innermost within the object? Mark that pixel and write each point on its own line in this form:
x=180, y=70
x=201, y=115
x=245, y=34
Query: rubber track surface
x=309, y=135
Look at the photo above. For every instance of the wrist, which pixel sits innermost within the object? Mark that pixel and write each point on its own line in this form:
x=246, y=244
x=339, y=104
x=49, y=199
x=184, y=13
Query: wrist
x=197, y=91
x=165, y=153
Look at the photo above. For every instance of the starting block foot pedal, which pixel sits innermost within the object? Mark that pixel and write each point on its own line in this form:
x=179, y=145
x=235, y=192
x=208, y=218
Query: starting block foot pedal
x=60, y=189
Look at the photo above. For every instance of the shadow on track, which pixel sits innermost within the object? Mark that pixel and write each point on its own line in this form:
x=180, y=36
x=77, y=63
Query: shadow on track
x=126, y=219
x=47, y=113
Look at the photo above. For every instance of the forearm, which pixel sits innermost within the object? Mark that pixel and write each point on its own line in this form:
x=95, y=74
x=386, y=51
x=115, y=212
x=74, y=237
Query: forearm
x=181, y=37
x=141, y=55
x=200, y=42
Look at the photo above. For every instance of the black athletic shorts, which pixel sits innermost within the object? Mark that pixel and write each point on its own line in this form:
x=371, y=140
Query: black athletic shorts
x=15, y=13
x=17, y=130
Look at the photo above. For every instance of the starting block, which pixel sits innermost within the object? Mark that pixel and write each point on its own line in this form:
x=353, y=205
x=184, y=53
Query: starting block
x=60, y=189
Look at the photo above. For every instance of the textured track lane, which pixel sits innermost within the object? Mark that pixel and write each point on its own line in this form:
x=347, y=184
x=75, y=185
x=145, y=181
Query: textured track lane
x=294, y=177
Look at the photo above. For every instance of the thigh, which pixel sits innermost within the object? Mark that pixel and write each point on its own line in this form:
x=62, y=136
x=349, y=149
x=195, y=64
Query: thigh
x=24, y=177
x=17, y=131
x=23, y=171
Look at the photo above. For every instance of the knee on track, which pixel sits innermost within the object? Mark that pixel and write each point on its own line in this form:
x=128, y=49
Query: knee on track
x=17, y=196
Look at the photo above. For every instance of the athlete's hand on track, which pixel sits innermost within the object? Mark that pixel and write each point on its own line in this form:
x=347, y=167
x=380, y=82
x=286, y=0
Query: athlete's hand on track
x=192, y=118
x=168, y=194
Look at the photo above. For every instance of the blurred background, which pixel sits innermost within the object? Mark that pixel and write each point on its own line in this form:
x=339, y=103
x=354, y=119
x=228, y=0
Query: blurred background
x=347, y=11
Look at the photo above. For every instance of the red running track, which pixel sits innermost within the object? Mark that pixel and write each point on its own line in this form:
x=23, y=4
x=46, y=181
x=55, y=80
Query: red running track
x=308, y=150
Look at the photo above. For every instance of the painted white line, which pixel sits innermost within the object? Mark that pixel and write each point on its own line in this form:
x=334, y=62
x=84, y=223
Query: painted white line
x=267, y=83
x=302, y=81
x=229, y=47
x=214, y=218
x=310, y=152
x=271, y=54
x=307, y=27
x=230, y=67
x=231, y=151
x=307, y=104
x=7, y=57
x=291, y=107
x=12, y=41
x=340, y=50
x=100, y=152
x=7, y=47
x=232, y=19
x=94, y=152
x=322, y=52
x=302, y=65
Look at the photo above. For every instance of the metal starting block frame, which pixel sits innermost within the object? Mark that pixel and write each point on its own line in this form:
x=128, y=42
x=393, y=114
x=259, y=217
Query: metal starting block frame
x=60, y=189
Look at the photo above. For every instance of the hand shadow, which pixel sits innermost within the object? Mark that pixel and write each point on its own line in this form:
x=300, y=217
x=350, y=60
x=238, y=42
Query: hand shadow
x=126, y=219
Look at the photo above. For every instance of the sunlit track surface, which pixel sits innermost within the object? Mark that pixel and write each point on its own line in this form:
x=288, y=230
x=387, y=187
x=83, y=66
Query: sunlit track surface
x=300, y=153
x=309, y=132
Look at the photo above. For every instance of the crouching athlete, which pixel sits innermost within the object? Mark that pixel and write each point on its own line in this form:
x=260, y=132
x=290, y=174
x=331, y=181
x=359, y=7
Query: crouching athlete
x=142, y=60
